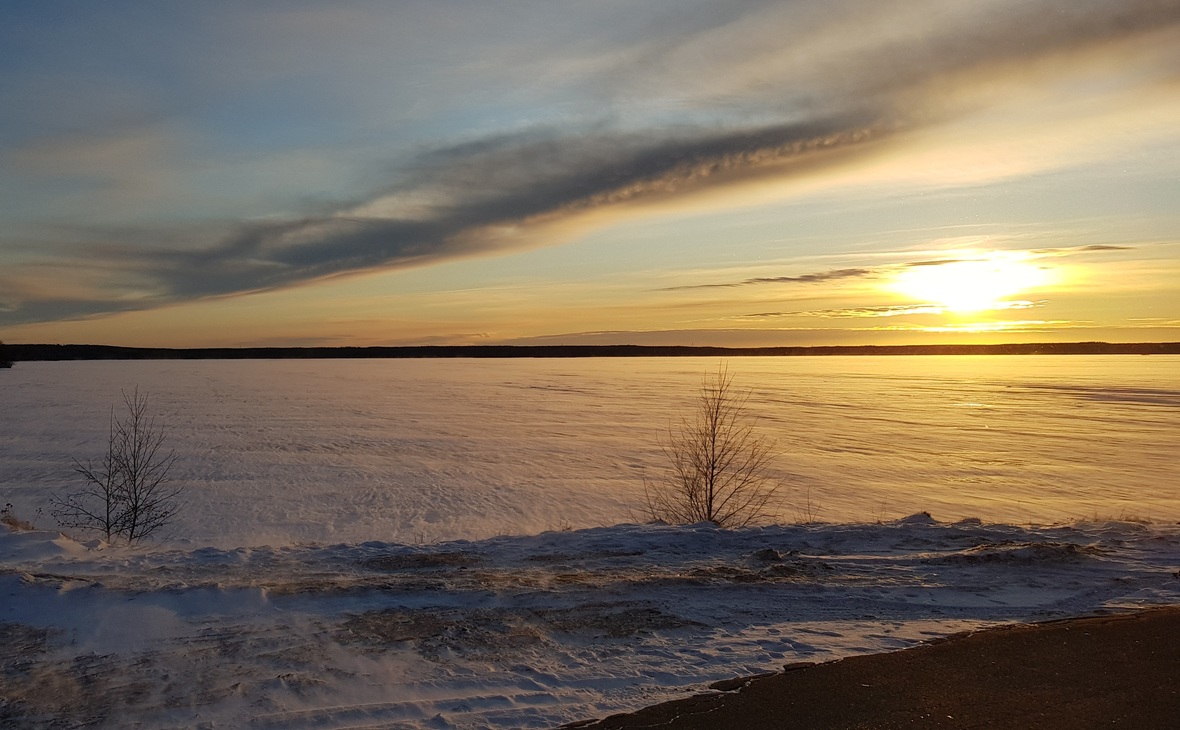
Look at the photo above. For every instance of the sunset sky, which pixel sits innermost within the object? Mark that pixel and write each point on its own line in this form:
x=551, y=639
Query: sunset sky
x=619, y=171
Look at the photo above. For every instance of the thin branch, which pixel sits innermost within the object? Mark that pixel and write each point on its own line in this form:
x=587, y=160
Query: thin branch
x=719, y=468
x=130, y=495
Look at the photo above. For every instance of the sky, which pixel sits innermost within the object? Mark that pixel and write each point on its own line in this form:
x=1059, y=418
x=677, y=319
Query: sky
x=745, y=172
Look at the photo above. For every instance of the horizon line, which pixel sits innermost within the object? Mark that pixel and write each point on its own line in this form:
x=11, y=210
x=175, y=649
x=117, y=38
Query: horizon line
x=65, y=352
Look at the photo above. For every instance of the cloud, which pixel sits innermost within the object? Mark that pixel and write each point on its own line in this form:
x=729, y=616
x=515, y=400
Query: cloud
x=756, y=106
x=1092, y=248
x=477, y=194
x=891, y=310
x=819, y=276
x=1028, y=325
x=932, y=262
x=879, y=311
x=832, y=275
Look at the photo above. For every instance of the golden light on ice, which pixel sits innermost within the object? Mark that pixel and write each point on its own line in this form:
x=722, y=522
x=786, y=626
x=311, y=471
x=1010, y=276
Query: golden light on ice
x=972, y=285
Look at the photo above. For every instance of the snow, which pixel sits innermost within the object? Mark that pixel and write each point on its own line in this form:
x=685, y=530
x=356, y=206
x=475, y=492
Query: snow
x=386, y=544
x=274, y=452
x=524, y=631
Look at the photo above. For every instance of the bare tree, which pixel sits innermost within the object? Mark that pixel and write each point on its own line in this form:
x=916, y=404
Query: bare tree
x=129, y=494
x=99, y=504
x=719, y=469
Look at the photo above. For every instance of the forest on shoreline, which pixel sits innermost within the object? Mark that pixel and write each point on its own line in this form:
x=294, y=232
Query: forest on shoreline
x=53, y=353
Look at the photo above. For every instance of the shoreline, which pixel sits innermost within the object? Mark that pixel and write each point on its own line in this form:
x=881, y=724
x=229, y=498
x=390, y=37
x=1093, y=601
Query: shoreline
x=57, y=353
x=563, y=626
x=1112, y=670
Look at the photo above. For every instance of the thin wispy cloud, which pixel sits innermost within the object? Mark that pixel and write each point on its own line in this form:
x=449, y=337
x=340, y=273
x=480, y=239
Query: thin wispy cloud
x=1092, y=248
x=851, y=312
x=825, y=276
x=819, y=276
x=1028, y=325
x=889, y=310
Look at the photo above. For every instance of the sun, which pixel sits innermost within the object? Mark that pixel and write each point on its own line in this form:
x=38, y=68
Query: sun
x=970, y=285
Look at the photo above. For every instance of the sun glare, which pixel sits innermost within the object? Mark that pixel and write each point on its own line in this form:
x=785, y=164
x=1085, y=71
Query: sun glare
x=970, y=286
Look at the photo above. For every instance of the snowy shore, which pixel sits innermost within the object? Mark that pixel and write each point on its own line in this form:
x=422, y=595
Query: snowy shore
x=518, y=632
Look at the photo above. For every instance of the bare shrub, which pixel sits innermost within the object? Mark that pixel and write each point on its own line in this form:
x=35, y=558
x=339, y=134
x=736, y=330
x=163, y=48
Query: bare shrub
x=9, y=519
x=807, y=511
x=129, y=494
x=719, y=469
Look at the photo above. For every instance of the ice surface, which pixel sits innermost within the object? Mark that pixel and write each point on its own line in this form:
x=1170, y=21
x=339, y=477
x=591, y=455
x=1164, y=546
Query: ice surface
x=519, y=632
x=417, y=451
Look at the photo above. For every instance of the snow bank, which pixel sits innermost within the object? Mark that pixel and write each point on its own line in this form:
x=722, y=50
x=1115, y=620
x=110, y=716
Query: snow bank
x=42, y=545
x=522, y=632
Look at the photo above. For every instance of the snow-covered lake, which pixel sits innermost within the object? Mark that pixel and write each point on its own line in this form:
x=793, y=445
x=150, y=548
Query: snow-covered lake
x=425, y=450
x=384, y=544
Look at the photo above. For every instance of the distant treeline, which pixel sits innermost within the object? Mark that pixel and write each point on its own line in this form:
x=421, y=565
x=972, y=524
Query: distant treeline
x=27, y=353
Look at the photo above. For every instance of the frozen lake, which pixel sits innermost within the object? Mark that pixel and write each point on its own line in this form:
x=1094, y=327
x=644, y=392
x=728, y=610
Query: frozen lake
x=379, y=543
x=416, y=451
